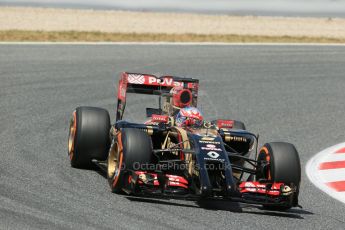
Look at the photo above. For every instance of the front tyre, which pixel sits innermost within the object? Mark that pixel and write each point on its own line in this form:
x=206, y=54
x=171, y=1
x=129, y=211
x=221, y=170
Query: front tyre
x=280, y=162
x=88, y=136
x=131, y=149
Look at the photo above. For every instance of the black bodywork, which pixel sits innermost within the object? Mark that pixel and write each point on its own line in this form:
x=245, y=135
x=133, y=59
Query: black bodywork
x=214, y=178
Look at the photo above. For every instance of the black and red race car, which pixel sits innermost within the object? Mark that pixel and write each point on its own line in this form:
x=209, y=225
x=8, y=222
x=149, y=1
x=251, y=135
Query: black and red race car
x=218, y=160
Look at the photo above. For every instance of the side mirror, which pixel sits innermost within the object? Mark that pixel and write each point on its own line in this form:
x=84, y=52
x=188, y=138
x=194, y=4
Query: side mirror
x=150, y=111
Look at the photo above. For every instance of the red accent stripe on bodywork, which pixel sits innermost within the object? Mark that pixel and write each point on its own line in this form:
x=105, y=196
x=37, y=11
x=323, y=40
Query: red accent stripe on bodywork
x=339, y=186
x=332, y=165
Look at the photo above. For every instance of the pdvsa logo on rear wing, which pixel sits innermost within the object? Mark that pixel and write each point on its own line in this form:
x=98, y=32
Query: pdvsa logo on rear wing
x=151, y=80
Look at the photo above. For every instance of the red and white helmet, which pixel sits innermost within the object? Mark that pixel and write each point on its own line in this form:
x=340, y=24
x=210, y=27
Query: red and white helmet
x=189, y=116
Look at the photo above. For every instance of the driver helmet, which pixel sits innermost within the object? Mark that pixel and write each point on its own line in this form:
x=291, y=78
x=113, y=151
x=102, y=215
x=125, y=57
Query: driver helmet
x=189, y=116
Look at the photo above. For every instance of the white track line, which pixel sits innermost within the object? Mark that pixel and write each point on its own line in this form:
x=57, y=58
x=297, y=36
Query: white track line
x=173, y=43
x=320, y=178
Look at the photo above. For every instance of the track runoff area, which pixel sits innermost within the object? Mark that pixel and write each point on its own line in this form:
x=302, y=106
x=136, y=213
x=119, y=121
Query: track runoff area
x=326, y=170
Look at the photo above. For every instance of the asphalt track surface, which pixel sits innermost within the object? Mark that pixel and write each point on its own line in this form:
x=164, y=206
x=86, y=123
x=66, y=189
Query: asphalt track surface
x=290, y=93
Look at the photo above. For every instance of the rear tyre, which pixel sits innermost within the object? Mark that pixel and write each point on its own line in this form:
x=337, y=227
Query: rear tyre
x=131, y=149
x=282, y=165
x=88, y=136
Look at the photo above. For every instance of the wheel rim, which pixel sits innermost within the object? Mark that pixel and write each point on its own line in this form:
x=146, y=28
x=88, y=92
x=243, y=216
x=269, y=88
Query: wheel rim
x=114, y=162
x=268, y=159
x=71, y=136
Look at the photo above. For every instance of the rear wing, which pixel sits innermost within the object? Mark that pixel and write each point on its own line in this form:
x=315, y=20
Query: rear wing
x=150, y=84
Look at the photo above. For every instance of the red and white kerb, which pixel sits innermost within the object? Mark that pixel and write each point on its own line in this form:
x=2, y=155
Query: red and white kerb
x=327, y=171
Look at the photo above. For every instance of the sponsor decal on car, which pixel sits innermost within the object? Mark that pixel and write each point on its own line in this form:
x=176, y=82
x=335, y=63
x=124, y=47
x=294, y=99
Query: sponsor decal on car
x=211, y=148
x=257, y=187
x=229, y=138
x=136, y=78
x=151, y=80
x=250, y=186
x=207, y=138
x=210, y=142
x=239, y=139
x=225, y=123
x=160, y=118
x=213, y=154
x=163, y=81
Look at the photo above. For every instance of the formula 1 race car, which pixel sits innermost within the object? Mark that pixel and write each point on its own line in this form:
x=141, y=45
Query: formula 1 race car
x=177, y=154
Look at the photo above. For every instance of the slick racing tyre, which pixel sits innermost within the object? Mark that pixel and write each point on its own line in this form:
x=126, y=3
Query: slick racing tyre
x=88, y=136
x=131, y=149
x=282, y=164
x=239, y=125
